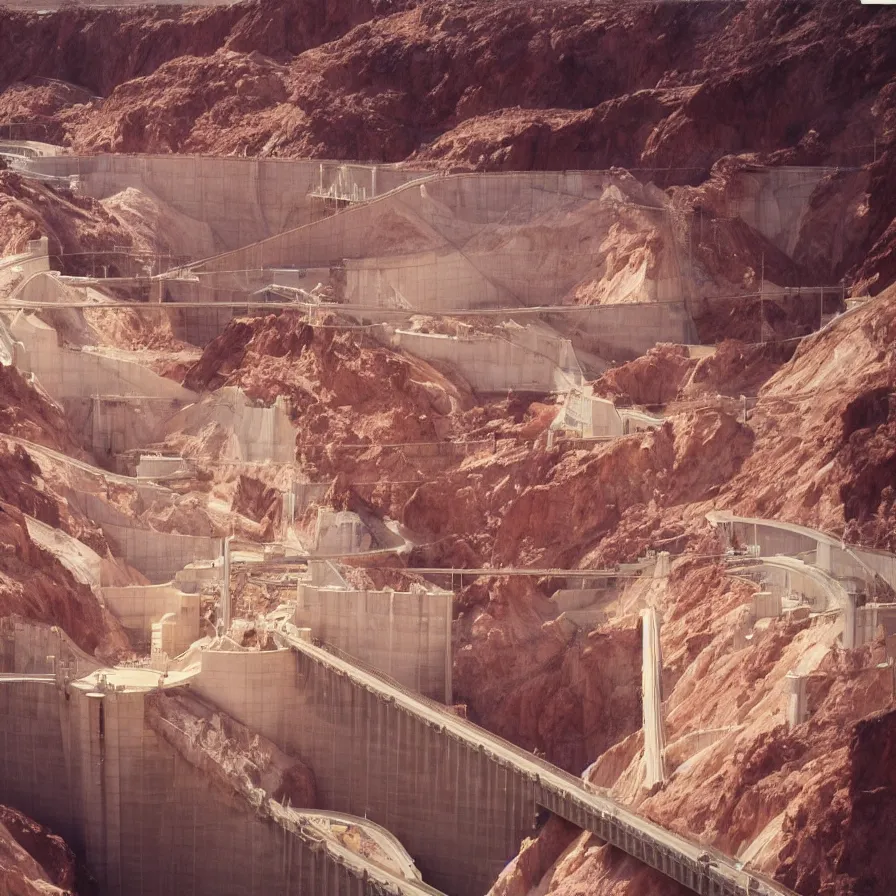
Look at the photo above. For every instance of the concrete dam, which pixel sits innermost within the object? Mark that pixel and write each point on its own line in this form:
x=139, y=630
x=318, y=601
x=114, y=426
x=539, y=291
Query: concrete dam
x=410, y=798
x=459, y=798
x=79, y=755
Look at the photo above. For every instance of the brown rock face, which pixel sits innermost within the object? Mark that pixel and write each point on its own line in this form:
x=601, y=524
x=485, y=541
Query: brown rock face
x=844, y=833
x=258, y=502
x=27, y=414
x=49, y=850
x=868, y=458
x=825, y=430
x=35, y=585
x=33, y=860
x=340, y=383
x=488, y=85
x=237, y=760
x=542, y=684
x=73, y=224
x=653, y=378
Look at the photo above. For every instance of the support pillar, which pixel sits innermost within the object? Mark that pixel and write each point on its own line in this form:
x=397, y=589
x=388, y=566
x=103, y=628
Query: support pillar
x=226, y=611
x=652, y=699
x=766, y=604
x=823, y=556
x=849, y=621
x=796, y=700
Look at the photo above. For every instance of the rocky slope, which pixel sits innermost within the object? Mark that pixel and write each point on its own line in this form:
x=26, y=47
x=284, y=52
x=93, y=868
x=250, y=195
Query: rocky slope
x=797, y=802
x=340, y=383
x=467, y=82
x=234, y=759
x=33, y=582
x=33, y=861
x=476, y=85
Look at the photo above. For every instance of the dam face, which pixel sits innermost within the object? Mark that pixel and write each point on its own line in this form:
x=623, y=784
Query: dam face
x=457, y=811
x=145, y=822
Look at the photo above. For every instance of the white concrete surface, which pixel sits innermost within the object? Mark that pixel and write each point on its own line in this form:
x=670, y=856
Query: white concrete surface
x=256, y=433
x=591, y=417
x=241, y=200
x=528, y=357
x=70, y=373
x=403, y=634
x=138, y=607
x=652, y=700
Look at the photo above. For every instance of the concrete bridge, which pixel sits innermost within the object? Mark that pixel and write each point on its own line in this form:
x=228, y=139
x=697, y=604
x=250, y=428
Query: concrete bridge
x=459, y=798
x=830, y=575
x=828, y=552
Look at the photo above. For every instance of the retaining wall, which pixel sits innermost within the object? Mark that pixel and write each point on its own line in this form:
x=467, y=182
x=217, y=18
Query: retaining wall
x=406, y=635
x=774, y=201
x=447, y=210
x=112, y=426
x=139, y=606
x=516, y=358
x=259, y=433
x=160, y=555
x=340, y=532
x=241, y=200
x=69, y=373
x=435, y=281
x=594, y=418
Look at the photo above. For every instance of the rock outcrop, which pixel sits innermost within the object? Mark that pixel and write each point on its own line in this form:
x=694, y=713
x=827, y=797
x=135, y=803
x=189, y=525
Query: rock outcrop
x=33, y=860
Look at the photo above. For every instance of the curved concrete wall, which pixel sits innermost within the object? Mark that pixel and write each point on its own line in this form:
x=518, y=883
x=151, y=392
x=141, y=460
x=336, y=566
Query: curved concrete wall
x=139, y=606
x=33, y=261
x=68, y=373
x=513, y=358
x=460, y=815
x=827, y=552
x=158, y=555
x=801, y=581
